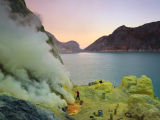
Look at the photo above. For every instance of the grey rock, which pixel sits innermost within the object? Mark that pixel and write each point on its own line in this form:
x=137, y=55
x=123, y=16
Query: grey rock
x=68, y=117
x=13, y=108
x=68, y=47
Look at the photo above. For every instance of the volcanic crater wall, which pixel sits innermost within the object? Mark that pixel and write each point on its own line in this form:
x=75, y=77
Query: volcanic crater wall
x=142, y=38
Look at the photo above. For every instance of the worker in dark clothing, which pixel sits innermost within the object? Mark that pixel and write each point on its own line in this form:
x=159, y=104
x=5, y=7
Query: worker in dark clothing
x=100, y=81
x=77, y=95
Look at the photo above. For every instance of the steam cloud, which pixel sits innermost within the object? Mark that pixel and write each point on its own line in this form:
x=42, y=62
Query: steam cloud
x=24, y=53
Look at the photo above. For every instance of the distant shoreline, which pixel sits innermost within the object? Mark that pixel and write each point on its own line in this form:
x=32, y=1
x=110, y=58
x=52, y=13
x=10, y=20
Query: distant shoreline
x=111, y=51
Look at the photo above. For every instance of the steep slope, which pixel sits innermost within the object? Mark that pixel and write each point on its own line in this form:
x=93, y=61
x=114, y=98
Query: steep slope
x=142, y=38
x=19, y=7
x=68, y=47
x=28, y=70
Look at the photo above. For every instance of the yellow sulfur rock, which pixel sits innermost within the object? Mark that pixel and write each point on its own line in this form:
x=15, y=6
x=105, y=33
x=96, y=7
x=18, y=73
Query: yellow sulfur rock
x=142, y=106
x=140, y=98
x=135, y=85
x=128, y=81
x=106, y=86
x=140, y=102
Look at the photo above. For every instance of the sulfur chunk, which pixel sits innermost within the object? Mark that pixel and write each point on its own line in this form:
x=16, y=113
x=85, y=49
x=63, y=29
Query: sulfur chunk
x=142, y=106
x=128, y=81
x=106, y=86
x=135, y=85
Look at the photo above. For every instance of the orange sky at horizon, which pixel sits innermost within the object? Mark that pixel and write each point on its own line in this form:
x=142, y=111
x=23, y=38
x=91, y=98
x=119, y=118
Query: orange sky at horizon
x=87, y=20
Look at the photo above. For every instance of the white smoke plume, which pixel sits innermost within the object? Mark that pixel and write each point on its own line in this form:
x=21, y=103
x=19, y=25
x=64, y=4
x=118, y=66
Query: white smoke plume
x=25, y=53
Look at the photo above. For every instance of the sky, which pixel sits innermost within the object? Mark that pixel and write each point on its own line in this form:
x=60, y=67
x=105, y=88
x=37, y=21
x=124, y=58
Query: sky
x=85, y=21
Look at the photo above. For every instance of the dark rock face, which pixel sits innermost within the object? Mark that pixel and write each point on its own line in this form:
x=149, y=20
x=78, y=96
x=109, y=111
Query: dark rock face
x=17, y=5
x=142, y=38
x=68, y=47
x=12, y=108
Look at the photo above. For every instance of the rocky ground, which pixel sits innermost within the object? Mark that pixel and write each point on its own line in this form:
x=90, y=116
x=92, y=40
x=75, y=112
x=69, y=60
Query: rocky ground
x=92, y=105
x=94, y=102
x=12, y=108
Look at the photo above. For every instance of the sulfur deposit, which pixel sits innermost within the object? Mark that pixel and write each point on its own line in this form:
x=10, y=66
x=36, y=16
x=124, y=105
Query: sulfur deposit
x=133, y=85
x=131, y=100
x=106, y=86
x=142, y=106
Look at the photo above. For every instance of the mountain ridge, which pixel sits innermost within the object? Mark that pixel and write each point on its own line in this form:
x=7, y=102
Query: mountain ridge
x=65, y=47
x=142, y=38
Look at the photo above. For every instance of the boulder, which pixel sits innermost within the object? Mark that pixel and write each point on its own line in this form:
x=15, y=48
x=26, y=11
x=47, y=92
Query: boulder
x=142, y=107
x=105, y=85
x=12, y=108
x=134, y=85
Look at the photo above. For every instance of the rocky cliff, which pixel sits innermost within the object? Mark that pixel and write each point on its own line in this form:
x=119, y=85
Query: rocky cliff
x=19, y=8
x=68, y=47
x=142, y=38
x=12, y=108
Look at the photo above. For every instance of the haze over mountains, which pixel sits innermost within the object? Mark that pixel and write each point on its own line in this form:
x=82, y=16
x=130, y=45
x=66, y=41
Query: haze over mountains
x=142, y=38
x=68, y=47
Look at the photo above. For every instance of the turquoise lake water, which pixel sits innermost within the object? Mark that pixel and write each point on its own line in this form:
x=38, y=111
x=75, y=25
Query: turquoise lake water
x=88, y=67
